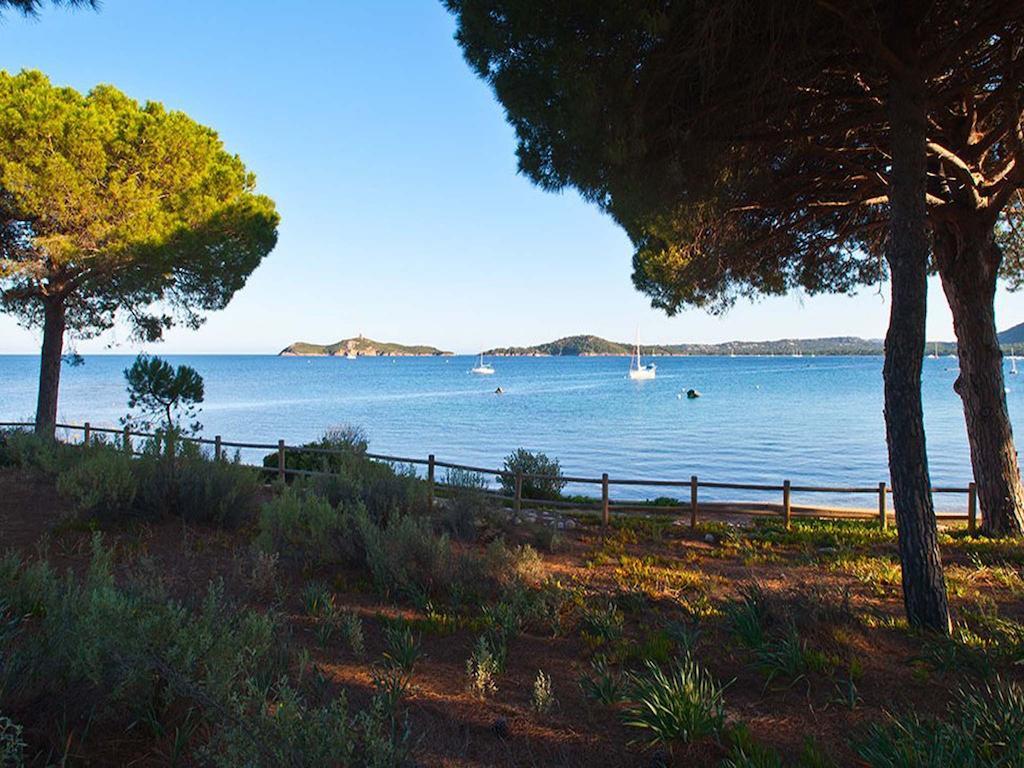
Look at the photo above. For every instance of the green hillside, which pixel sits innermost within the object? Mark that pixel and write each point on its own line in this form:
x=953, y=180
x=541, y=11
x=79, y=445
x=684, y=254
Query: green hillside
x=1014, y=335
x=362, y=347
x=570, y=345
x=834, y=345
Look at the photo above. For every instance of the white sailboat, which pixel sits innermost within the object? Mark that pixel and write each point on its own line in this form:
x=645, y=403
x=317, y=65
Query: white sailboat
x=935, y=354
x=482, y=368
x=637, y=370
x=1013, y=361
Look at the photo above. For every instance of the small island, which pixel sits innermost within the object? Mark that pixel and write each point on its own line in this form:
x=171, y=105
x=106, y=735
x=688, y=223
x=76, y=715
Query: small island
x=360, y=346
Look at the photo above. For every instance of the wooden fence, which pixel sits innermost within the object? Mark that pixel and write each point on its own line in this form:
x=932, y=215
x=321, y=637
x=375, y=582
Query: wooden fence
x=606, y=505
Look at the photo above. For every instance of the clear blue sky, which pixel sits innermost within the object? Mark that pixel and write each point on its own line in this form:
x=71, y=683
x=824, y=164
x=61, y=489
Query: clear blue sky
x=403, y=217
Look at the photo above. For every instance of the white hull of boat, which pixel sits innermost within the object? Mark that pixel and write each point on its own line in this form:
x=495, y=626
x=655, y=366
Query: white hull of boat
x=642, y=374
x=482, y=368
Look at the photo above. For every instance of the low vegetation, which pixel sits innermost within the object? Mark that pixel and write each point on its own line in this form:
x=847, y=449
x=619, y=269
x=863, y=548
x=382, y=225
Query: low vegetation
x=177, y=610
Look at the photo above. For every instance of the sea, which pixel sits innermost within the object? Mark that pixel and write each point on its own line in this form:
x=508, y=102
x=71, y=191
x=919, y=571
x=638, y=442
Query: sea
x=758, y=420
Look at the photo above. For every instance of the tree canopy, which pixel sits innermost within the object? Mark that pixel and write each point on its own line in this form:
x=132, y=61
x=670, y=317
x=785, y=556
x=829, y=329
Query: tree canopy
x=735, y=142
x=742, y=145
x=158, y=390
x=31, y=7
x=115, y=210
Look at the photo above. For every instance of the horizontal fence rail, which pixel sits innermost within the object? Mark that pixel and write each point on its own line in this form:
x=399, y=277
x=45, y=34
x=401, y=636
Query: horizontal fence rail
x=606, y=505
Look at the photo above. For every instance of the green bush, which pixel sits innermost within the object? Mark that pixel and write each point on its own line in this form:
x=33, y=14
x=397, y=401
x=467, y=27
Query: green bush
x=468, y=511
x=682, y=705
x=91, y=651
x=385, y=490
x=547, y=483
x=300, y=526
x=196, y=488
x=222, y=493
x=603, y=684
x=27, y=450
x=984, y=728
x=100, y=483
x=12, y=746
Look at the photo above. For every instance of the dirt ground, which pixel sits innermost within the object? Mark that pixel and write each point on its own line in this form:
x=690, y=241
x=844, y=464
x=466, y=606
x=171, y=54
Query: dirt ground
x=453, y=728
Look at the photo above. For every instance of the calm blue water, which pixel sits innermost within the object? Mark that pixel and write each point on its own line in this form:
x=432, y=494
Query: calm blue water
x=812, y=420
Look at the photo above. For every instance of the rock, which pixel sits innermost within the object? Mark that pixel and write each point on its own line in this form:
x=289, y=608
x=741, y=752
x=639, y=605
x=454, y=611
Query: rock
x=710, y=538
x=827, y=550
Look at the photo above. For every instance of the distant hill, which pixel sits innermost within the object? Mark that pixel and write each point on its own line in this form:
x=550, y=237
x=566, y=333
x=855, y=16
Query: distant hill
x=570, y=346
x=361, y=346
x=594, y=345
x=1014, y=335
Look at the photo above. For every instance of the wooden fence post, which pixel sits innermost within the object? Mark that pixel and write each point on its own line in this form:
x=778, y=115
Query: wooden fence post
x=883, y=519
x=126, y=440
x=787, y=512
x=517, y=505
x=86, y=433
x=280, y=460
x=604, y=500
x=693, y=501
x=430, y=482
x=972, y=507
x=216, y=448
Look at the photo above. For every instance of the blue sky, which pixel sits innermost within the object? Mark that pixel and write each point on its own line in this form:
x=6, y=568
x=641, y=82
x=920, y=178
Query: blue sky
x=403, y=217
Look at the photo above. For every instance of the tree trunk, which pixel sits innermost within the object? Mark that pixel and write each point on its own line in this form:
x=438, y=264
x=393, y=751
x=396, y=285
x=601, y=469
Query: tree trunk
x=968, y=262
x=54, y=323
x=924, y=588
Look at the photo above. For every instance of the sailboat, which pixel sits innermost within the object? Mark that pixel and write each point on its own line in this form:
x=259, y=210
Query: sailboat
x=1013, y=362
x=482, y=368
x=637, y=370
x=935, y=354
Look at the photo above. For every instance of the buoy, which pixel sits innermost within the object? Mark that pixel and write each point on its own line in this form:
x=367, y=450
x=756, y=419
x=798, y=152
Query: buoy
x=692, y=394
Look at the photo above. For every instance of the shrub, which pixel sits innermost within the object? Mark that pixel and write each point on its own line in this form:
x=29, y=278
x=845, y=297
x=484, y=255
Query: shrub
x=465, y=479
x=460, y=513
x=481, y=669
x=405, y=557
x=984, y=728
x=546, y=481
x=101, y=483
x=196, y=488
x=402, y=649
x=682, y=705
x=27, y=450
x=384, y=489
x=317, y=599
x=543, y=696
x=103, y=651
x=352, y=631
x=12, y=746
x=96, y=652
x=222, y=493
x=510, y=567
x=602, y=684
x=299, y=526
x=605, y=623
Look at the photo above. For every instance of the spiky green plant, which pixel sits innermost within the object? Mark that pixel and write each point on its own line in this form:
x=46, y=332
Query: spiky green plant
x=603, y=685
x=680, y=705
